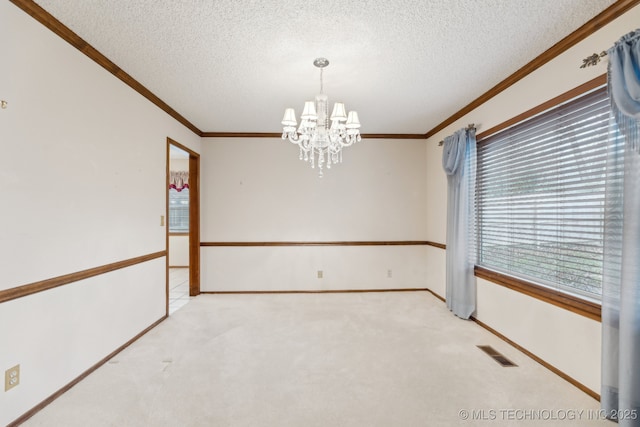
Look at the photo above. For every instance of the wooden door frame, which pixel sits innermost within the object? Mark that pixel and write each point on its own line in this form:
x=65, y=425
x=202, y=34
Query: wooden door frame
x=194, y=218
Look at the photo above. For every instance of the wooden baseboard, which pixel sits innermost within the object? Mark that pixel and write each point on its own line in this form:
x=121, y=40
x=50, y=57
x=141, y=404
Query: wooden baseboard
x=313, y=291
x=325, y=243
x=58, y=393
x=547, y=365
x=24, y=417
x=436, y=295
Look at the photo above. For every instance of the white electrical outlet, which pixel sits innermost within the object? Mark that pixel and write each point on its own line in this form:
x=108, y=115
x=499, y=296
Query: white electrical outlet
x=320, y=274
x=11, y=377
x=389, y=273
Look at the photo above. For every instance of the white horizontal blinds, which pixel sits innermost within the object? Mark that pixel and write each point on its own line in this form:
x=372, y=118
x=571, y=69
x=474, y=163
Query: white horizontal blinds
x=540, y=196
x=179, y=210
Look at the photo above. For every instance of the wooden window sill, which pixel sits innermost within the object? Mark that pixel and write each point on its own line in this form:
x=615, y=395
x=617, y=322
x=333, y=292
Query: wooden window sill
x=575, y=304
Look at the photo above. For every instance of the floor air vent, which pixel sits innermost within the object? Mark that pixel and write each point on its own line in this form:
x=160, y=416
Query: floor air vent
x=495, y=354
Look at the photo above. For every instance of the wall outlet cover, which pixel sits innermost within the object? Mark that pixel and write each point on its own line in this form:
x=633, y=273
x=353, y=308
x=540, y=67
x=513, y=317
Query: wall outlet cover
x=11, y=377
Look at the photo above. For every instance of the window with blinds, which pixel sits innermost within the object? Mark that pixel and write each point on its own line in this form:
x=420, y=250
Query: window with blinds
x=178, y=211
x=540, y=197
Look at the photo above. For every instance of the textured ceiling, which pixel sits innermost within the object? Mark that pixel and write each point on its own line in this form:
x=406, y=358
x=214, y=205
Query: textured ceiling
x=404, y=65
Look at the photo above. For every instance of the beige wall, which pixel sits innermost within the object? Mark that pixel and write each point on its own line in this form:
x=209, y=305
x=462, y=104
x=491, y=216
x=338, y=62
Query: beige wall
x=178, y=251
x=83, y=170
x=567, y=341
x=258, y=190
x=66, y=110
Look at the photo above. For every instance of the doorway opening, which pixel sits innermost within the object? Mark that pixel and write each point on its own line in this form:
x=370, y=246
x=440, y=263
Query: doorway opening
x=183, y=225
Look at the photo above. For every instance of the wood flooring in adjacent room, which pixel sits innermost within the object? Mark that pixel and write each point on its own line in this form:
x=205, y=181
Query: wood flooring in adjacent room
x=395, y=359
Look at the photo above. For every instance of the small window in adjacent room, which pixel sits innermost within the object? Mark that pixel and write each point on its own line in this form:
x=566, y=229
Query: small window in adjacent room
x=178, y=211
x=540, y=197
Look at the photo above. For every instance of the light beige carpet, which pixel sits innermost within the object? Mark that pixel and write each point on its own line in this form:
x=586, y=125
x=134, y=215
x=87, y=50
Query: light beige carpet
x=373, y=359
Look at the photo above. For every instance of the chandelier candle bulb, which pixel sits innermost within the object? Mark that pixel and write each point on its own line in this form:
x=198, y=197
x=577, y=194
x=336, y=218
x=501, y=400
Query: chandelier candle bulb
x=320, y=142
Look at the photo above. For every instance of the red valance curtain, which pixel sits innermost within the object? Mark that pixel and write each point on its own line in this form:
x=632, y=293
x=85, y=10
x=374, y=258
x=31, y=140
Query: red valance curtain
x=178, y=180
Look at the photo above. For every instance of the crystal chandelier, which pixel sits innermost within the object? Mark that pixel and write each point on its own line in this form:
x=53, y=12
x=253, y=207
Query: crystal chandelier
x=320, y=143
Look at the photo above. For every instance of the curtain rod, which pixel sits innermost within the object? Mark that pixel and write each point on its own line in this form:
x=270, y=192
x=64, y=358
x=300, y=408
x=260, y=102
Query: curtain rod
x=470, y=126
x=593, y=59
